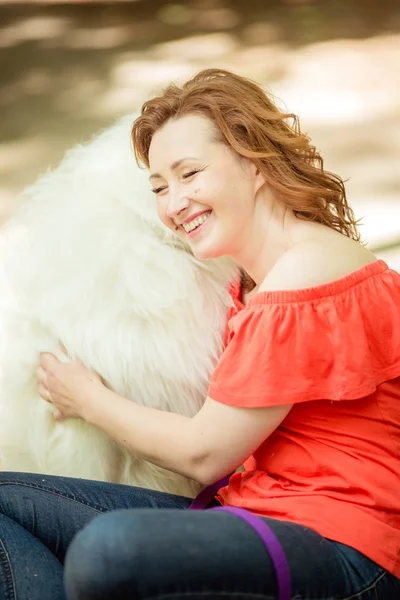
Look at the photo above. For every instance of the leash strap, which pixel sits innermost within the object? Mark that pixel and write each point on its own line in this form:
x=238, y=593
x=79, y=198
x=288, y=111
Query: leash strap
x=271, y=543
x=207, y=495
x=261, y=528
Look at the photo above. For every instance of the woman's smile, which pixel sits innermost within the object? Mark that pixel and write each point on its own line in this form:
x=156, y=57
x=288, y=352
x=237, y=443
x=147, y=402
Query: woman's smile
x=193, y=226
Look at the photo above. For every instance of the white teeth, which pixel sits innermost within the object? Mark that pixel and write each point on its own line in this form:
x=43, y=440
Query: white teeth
x=188, y=227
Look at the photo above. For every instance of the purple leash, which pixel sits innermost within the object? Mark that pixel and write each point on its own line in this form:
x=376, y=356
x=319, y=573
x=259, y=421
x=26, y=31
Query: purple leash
x=263, y=530
x=207, y=495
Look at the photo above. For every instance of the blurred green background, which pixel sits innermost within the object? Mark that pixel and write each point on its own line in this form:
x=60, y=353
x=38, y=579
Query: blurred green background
x=67, y=69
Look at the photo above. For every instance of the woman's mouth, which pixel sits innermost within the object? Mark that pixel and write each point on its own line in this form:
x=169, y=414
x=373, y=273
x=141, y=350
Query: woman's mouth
x=194, y=226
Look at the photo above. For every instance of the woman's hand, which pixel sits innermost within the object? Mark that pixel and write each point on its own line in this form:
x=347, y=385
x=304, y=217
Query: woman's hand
x=71, y=387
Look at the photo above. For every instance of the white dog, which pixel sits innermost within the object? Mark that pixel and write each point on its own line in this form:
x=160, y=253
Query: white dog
x=86, y=261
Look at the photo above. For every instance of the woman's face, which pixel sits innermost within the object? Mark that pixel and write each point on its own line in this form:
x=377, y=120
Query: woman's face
x=205, y=192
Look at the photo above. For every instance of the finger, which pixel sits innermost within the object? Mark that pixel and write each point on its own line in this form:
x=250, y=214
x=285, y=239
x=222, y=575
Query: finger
x=47, y=360
x=41, y=375
x=45, y=393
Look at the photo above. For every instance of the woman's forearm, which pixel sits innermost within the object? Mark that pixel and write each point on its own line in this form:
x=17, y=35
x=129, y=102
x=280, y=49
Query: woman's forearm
x=160, y=437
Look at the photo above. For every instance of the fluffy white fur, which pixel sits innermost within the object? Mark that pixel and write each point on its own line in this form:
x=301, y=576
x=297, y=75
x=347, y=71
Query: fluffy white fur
x=85, y=260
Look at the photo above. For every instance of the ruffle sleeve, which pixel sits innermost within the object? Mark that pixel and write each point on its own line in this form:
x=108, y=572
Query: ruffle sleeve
x=337, y=341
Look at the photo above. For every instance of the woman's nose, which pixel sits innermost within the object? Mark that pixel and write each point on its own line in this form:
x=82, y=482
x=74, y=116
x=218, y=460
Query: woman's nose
x=176, y=205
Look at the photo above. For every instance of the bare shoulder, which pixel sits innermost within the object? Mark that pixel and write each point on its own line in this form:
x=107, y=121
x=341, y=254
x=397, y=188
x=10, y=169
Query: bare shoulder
x=316, y=262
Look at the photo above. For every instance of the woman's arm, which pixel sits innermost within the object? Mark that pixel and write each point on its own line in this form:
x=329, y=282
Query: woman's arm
x=205, y=447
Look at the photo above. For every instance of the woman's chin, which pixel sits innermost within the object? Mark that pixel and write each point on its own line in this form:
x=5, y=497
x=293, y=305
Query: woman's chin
x=203, y=252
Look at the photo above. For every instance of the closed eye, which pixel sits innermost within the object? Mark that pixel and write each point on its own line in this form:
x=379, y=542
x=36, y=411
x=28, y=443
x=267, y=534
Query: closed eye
x=185, y=176
x=158, y=190
x=190, y=173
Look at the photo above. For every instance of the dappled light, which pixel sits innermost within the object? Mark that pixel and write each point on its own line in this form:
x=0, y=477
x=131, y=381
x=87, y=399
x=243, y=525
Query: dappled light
x=69, y=69
x=33, y=29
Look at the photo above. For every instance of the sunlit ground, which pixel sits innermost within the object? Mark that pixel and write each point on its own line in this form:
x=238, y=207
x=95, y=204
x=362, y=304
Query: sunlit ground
x=68, y=70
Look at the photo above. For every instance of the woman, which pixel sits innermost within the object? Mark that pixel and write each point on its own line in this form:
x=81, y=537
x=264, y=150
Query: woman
x=308, y=387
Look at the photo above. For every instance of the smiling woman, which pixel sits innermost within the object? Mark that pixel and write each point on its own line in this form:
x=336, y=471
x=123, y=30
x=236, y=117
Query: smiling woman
x=306, y=393
x=195, y=195
x=242, y=117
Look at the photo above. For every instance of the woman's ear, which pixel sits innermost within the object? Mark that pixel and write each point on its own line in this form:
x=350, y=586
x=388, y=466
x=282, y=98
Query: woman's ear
x=252, y=171
x=259, y=178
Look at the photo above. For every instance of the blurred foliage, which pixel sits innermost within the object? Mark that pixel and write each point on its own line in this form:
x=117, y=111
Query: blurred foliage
x=296, y=21
x=69, y=68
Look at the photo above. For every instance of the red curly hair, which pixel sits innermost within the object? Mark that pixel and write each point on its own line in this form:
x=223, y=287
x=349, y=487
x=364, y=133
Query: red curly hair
x=247, y=120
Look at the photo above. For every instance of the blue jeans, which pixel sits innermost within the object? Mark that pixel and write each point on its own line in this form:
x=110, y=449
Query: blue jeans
x=85, y=540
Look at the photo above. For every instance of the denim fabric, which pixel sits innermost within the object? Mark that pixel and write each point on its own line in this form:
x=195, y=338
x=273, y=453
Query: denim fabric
x=136, y=552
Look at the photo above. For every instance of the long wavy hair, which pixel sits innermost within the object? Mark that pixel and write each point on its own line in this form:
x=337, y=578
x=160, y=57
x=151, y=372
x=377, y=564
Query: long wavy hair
x=247, y=119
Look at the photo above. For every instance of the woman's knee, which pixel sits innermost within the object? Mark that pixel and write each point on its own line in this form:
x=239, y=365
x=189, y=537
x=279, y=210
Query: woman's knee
x=129, y=553
x=103, y=558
